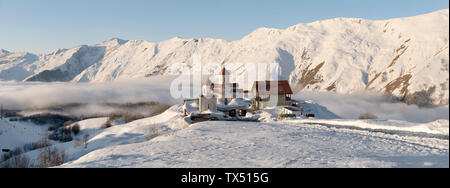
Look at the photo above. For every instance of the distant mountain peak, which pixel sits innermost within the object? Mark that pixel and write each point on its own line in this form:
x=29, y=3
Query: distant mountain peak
x=3, y=52
x=116, y=40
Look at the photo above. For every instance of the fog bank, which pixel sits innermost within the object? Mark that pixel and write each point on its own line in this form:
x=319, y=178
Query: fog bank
x=352, y=106
x=20, y=95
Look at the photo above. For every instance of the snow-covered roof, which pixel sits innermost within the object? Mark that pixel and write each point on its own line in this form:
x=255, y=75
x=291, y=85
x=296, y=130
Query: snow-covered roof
x=293, y=109
x=236, y=103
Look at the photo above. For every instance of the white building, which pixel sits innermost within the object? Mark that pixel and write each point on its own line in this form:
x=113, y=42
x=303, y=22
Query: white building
x=207, y=103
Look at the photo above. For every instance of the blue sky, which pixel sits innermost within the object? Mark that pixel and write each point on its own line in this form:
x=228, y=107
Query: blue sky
x=46, y=25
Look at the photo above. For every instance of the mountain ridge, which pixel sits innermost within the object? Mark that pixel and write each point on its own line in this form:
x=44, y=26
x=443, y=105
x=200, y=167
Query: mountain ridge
x=403, y=57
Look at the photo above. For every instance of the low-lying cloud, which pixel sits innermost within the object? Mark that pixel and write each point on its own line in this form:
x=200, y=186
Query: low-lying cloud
x=19, y=95
x=354, y=105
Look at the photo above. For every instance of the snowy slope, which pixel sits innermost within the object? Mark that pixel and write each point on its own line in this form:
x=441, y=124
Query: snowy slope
x=439, y=127
x=297, y=143
x=221, y=144
x=405, y=57
x=166, y=140
x=17, y=134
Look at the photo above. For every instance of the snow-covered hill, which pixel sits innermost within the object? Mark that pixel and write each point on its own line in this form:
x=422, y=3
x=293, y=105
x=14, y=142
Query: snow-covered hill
x=405, y=57
x=17, y=134
x=167, y=140
x=263, y=144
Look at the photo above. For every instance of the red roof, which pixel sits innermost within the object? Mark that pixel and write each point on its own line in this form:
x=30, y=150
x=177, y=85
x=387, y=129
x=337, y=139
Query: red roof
x=280, y=87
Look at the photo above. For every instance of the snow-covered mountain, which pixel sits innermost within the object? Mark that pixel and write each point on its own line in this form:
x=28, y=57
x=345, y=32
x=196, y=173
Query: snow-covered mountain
x=405, y=57
x=3, y=52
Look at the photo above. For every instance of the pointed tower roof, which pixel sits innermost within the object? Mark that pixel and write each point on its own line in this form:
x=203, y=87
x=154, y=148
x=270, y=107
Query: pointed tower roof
x=223, y=71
